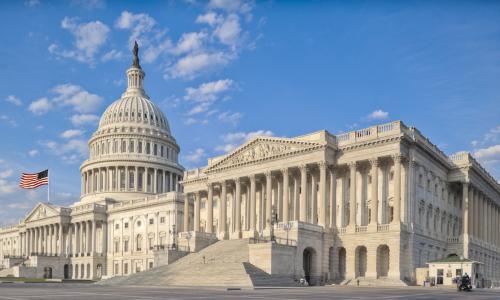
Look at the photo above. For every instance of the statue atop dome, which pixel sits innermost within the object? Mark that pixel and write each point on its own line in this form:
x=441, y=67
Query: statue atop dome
x=135, y=62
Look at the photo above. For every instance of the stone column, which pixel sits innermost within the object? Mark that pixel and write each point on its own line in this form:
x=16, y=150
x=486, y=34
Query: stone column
x=303, y=194
x=223, y=210
x=237, y=215
x=155, y=181
x=333, y=198
x=93, y=251
x=186, y=212
x=397, y=189
x=104, y=248
x=488, y=221
x=465, y=217
x=61, y=249
x=483, y=219
x=196, y=211
x=322, y=195
x=314, y=200
x=352, y=196
x=286, y=197
x=374, y=192
x=252, y=204
x=171, y=181
x=209, y=208
x=296, y=198
x=269, y=182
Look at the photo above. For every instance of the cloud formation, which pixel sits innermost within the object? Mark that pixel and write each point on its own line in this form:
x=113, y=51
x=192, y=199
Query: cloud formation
x=378, y=115
x=67, y=95
x=14, y=100
x=89, y=38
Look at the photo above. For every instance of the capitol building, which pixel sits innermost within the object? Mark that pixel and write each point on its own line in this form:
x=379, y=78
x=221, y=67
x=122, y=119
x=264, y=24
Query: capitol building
x=374, y=205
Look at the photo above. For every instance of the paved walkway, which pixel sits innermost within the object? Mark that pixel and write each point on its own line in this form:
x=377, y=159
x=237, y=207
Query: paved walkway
x=19, y=291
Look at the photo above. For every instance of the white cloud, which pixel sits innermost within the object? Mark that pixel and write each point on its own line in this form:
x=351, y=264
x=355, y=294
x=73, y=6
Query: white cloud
x=32, y=3
x=230, y=117
x=195, y=156
x=199, y=108
x=233, y=140
x=72, y=151
x=112, y=55
x=490, y=154
x=6, y=173
x=76, y=97
x=6, y=186
x=14, y=100
x=378, y=115
x=33, y=153
x=193, y=65
x=89, y=37
x=137, y=23
x=208, y=91
x=189, y=42
x=240, y=6
x=40, y=106
x=71, y=133
x=83, y=119
x=8, y=120
x=228, y=32
x=210, y=18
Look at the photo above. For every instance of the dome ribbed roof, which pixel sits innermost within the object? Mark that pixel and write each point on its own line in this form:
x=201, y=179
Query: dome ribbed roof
x=134, y=109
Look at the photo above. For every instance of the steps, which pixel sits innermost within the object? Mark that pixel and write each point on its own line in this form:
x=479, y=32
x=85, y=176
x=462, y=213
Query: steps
x=364, y=281
x=7, y=272
x=222, y=264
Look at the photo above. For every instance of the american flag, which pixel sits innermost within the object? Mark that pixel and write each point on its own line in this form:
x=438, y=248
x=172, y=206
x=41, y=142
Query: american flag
x=34, y=180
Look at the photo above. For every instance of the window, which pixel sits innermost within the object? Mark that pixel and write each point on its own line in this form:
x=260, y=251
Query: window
x=131, y=179
x=117, y=268
x=125, y=268
x=124, y=147
x=391, y=177
x=131, y=147
x=148, y=148
x=117, y=226
x=122, y=179
x=458, y=272
x=420, y=180
x=139, y=223
x=139, y=181
x=139, y=147
x=139, y=243
x=161, y=149
x=155, y=149
x=162, y=220
x=117, y=246
x=150, y=264
x=151, y=221
x=150, y=243
x=126, y=225
x=125, y=246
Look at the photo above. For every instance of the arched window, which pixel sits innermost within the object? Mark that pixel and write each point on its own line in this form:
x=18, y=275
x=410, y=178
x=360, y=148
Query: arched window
x=139, y=242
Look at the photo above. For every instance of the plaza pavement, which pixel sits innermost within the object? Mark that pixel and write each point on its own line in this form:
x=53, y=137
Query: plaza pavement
x=32, y=291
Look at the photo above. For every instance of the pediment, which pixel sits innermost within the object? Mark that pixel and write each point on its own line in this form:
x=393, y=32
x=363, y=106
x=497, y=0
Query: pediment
x=42, y=211
x=262, y=149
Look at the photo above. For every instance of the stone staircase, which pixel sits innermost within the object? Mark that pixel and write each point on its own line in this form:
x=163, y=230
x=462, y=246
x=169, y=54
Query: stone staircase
x=7, y=272
x=222, y=264
x=364, y=281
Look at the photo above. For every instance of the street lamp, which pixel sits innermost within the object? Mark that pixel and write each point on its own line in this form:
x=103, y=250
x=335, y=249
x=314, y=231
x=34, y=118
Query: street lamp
x=174, y=233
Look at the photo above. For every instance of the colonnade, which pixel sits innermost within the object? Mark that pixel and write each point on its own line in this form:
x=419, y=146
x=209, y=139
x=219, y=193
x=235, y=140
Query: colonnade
x=305, y=193
x=481, y=215
x=130, y=178
x=44, y=240
x=84, y=234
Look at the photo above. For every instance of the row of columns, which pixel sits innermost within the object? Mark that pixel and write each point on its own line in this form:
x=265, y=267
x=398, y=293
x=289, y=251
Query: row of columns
x=85, y=241
x=42, y=240
x=481, y=215
x=109, y=179
x=311, y=197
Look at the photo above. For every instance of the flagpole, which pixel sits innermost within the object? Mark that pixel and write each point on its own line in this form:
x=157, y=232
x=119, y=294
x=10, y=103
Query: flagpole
x=48, y=188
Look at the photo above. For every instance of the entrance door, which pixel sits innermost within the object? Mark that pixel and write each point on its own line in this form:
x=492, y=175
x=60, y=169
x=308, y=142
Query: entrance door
x=307, y=262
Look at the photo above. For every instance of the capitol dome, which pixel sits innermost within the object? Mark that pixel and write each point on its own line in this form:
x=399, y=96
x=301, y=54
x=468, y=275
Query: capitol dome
x=132, y=153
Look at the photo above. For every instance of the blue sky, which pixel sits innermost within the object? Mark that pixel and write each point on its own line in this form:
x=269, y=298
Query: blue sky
x=224, y=71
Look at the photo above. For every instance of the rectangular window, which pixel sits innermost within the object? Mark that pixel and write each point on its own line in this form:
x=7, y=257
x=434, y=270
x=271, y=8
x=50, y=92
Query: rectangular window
x=155, y=149
x=126, y=225
x=125, y=246
x=151, y=243
x=148, y=148
x=131, y=147
x=161, y=151
x=162, y=220
x=125, y=268
x=458, y=272
x=139, y=147
x=131, y=179
x=151, y=221
x=139, y=182
x=150, y=264
x=117, y=226
x=117, y=268
x=122, y=179
x=117, y=246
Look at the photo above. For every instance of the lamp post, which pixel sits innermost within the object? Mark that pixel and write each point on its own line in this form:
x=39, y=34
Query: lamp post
x=174, y=233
